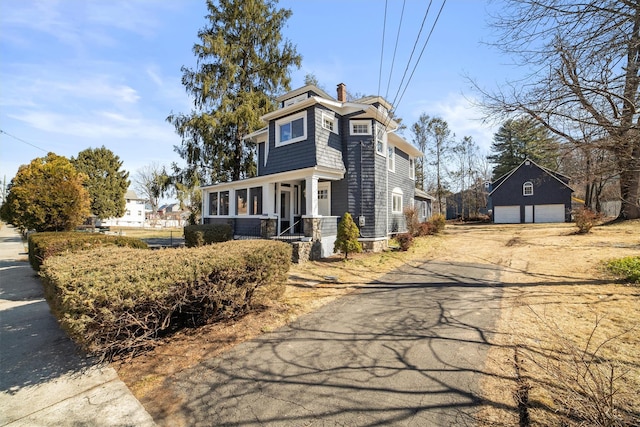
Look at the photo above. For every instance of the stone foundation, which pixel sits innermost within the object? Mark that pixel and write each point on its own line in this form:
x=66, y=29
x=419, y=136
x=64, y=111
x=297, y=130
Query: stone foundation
x=301, y=252
x=375, y=245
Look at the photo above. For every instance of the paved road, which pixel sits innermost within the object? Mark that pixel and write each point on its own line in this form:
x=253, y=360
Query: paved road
x=406, y=351
x=44, y=380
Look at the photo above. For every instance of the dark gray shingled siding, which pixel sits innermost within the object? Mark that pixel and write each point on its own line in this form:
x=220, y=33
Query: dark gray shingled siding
x=298, y=155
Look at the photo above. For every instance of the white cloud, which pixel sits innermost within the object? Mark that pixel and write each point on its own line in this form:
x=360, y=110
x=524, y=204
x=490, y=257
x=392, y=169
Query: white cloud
x=463, y=117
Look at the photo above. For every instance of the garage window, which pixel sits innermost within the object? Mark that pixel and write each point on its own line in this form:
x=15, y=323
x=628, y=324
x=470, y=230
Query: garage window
x=527, y=188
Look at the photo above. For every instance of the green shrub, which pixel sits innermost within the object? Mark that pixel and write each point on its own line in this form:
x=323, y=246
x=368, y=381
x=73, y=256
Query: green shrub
x=206, y=234
x=405, y=240
x=45, y=245
x=116, y=300
x=438, y=221
x=627, y=268
x=347, y=238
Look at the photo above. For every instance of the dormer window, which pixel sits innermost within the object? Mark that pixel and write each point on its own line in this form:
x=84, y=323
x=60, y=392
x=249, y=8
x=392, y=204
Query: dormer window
x=291, y=129
x=295, y=100
x=527, y=188
x=360, y=127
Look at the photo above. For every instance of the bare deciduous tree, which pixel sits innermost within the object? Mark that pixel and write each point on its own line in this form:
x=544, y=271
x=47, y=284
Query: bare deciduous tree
x=583, y=61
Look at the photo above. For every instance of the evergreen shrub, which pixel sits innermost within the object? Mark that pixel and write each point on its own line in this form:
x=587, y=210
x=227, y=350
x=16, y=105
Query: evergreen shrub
x=206, y=234
x=48, y=244
x=113, y=301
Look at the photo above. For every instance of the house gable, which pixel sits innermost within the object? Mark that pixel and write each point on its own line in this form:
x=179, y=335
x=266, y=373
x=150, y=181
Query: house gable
x=530, y=185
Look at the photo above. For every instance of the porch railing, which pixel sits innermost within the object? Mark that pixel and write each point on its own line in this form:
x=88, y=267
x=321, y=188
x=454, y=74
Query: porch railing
x=285, y=235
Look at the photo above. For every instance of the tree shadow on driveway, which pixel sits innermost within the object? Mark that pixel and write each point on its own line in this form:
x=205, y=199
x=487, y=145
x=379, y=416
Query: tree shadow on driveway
x=406, y=350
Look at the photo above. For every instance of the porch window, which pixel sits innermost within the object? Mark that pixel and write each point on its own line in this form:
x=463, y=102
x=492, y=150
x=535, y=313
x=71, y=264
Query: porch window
x=241, y=202
x=527, y=188
x=224, y=203
x=360, y=127
x=255, y=199
x=291, y=129
x=396, y=201
x=213, y=204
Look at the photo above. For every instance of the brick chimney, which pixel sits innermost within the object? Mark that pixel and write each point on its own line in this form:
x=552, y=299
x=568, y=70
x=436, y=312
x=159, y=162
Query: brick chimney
x=342, y=92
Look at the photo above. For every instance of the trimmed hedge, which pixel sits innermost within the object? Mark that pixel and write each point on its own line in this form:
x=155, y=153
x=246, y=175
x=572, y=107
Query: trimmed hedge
x=116, y=300
x=206, y=234
x=48, y=244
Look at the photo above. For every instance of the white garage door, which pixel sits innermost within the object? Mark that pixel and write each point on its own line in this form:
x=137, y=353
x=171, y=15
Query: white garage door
x=506, y=214
x=549, y=213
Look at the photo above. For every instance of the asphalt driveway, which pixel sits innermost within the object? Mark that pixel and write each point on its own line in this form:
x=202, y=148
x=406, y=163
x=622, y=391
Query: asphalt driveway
x=408, y=350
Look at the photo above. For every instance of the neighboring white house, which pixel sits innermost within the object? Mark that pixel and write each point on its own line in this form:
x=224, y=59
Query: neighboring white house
x=133, y=215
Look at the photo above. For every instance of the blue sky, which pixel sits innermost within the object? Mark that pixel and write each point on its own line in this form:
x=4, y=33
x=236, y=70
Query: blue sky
x=76, y=74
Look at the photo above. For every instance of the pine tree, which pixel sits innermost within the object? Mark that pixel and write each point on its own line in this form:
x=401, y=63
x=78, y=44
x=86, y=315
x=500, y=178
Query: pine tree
x=106, y=182
x=47, y=195
x=519, y=139
x=347, y=239
x=243, y=61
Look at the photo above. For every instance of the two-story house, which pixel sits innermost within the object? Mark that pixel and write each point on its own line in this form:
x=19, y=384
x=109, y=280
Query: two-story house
x=319, y=157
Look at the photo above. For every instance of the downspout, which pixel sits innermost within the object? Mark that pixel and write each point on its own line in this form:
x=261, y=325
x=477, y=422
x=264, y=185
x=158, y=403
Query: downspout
x=202, y=204
x=386, y=168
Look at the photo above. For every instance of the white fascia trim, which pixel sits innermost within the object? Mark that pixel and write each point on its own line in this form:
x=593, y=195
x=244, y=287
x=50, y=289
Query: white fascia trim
x=404, y=145
x=299, y=174
x=253, y=136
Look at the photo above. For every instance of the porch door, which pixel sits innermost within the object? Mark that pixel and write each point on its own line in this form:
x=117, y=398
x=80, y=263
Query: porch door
x=286, y=210
x=324, y=198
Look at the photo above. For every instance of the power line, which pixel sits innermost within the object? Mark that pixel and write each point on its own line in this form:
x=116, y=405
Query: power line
x=395, y=49
x=384, y=27
x=422, y=51
x=23, y=141
x=415, y=44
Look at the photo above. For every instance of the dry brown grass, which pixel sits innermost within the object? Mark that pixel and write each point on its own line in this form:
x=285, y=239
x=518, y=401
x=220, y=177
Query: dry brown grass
x=554, y=293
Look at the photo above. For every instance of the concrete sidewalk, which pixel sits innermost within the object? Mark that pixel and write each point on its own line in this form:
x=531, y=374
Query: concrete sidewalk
x=44, y=379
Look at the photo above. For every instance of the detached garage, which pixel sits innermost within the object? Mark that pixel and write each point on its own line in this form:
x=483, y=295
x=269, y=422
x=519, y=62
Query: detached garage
x=530, y=193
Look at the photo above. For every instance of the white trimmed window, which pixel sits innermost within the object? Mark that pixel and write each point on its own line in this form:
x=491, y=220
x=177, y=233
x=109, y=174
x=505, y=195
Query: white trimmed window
x=412, y=168
x=291, y=129
x=396, y=201
x=329, y=122
x=381, y=140
x=391, y=158
x=360, y=127
x=527, y=188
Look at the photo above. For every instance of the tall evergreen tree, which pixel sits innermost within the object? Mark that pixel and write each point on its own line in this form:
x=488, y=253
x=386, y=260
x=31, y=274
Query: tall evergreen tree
x=518, y=139
x=106, y=182
x=47, y=195
x=242, y=62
